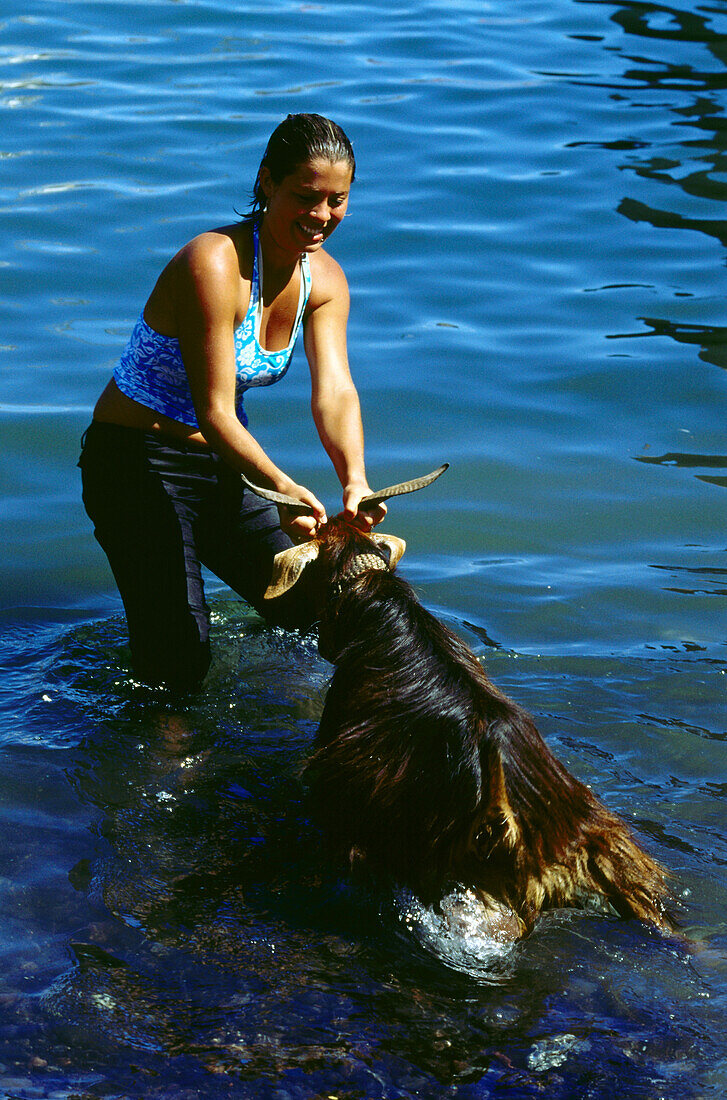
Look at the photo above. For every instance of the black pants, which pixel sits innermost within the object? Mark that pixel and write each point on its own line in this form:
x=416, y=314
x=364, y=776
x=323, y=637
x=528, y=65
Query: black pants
x=161, y=509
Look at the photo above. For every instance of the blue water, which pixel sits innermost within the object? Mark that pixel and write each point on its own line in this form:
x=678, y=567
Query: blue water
x=536, y=255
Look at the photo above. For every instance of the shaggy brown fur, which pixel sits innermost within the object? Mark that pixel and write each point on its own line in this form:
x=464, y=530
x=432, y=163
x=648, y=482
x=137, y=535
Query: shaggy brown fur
x=431, y=775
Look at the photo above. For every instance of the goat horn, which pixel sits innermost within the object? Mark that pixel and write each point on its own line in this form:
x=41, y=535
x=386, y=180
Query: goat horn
x=278, y=498
x=402, y=487
x=288, y=566
x=369, y=501
x=393, y=544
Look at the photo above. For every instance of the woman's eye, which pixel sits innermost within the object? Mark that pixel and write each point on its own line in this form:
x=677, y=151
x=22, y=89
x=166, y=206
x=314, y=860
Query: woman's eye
x=312, y=200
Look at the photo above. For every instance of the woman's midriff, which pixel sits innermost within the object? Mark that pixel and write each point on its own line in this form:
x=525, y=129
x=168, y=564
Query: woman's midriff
x=114, y=407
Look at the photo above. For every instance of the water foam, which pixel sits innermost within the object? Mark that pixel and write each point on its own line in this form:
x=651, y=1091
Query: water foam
x=458, y=930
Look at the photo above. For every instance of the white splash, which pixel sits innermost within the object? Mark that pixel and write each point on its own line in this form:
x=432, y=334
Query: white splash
x=458, y=931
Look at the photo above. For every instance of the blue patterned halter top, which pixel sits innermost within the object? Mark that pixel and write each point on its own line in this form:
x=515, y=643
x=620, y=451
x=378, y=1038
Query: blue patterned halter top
x=151, y=370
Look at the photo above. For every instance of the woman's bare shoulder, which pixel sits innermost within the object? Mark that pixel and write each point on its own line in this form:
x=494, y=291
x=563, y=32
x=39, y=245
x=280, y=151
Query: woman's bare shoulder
x=205, y=272
x=220, y=251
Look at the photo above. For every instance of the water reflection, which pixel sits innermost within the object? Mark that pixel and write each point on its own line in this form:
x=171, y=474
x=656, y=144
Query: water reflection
x=690, y=462
x=694, y=166
x=637, y=211
x=711, y=339
x=666, y=22
x=709, y=578
x=679, y=68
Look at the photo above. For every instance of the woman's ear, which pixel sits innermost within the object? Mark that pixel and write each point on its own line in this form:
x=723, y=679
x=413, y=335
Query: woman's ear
x=266, y=181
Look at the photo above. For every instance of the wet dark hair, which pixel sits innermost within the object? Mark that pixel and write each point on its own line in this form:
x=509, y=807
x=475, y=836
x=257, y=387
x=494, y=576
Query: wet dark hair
x=297, y=140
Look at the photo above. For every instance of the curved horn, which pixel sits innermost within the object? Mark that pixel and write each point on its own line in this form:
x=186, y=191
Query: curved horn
x=288, y=566
x=393, y=544
x=402, y=487
x=278, y=498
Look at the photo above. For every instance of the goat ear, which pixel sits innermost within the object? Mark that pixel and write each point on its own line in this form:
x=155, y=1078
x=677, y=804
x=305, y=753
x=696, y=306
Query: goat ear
x=500, y=809
x=288, y=566
x=394, y=545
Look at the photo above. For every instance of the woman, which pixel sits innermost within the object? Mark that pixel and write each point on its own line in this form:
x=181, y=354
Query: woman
x=162, y=457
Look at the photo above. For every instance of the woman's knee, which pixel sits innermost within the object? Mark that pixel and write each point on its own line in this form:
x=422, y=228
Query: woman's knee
x=179, y=660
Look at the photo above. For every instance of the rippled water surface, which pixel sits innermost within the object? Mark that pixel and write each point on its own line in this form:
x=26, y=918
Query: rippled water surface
x=536, y=254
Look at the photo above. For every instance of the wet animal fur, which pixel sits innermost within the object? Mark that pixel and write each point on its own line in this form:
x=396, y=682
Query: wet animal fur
x=432, y=776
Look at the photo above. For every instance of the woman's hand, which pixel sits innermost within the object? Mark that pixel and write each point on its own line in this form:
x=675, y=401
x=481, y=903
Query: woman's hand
x=366, y=518
x=301, y=528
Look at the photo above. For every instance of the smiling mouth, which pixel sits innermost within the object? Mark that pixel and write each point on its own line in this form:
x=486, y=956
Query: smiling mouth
x=311, y=234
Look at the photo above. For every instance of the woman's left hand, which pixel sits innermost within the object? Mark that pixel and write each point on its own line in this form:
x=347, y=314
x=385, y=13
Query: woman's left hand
x=364, y=518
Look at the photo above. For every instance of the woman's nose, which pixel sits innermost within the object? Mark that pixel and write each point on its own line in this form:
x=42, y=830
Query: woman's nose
x=321, y=212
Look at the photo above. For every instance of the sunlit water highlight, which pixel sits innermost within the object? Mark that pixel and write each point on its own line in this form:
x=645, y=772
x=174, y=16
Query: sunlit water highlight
x=536, y=255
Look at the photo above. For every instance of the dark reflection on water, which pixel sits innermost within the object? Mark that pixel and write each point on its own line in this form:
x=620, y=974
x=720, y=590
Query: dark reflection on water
x=709, y=577
x=686, y=460
x=665, y=219
x=690, y=462
x=667, y=22
x=712, y=339
x=693, y=165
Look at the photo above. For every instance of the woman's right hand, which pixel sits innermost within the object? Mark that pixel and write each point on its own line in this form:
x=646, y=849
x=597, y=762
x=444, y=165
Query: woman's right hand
x=301, y=528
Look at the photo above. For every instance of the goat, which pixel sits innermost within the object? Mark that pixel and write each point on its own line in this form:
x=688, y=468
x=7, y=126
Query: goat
x=427, y=773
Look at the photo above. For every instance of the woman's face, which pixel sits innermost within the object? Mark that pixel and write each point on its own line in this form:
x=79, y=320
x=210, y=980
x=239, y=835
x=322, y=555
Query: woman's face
x=305, y=207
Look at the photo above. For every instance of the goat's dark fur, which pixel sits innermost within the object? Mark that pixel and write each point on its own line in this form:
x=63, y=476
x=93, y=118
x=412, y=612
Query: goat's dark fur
x=431, y=775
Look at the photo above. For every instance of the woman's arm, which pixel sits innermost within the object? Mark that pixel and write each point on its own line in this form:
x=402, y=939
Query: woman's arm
x=207, y=294
x=334, y=400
